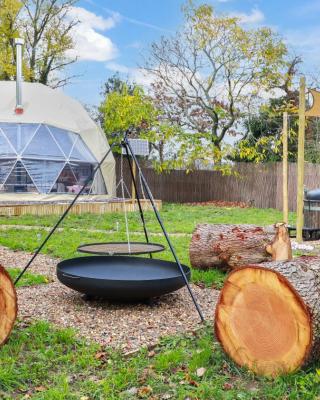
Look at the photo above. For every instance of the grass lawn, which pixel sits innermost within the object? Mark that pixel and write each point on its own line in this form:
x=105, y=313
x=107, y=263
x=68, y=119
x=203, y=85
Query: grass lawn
x=178, y=219
x=42, y=362
x=28, y=279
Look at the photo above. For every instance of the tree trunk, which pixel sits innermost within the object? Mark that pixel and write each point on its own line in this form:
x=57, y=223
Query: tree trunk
x=268, y=315
x=229, y=246
x=8, y=305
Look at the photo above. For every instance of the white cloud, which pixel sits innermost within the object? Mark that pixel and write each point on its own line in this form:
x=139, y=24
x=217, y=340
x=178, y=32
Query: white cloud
x=254, y=17
x=136, y=21
x=137, y=75
x=91, y=45
x=305, y=42
x=115, y=67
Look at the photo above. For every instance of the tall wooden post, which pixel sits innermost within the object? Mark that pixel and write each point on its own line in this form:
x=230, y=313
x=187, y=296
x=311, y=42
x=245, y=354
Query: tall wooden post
x=285, y=168
x=300, y=164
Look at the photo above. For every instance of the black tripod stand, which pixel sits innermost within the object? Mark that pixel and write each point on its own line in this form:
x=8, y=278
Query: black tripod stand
x=130, y=152
x=125, y=143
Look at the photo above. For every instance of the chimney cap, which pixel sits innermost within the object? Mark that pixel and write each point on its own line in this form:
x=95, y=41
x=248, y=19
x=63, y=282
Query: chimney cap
x=18, y=41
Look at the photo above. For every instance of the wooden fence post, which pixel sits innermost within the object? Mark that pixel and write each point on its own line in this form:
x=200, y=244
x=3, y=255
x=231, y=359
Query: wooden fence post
x=285, y=168
x=300, y=165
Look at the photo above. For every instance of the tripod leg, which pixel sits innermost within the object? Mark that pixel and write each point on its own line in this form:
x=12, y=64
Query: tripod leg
x=63, y=215
x=148, y=191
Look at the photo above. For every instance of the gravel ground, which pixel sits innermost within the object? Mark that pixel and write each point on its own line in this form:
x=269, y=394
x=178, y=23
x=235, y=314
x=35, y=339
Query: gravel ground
x=18, y=259
x=121, y=325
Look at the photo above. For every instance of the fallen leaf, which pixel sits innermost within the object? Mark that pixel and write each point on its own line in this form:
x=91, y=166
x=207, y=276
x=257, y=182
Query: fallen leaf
x=144, y=391
x=200, y=372
x=40, y=389
x=227, y=386
x=201, y=285
x=99, y=355
x=151, y=353
x=193, y=382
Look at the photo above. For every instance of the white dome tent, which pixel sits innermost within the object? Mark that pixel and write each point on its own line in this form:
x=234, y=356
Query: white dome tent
x=50, y=146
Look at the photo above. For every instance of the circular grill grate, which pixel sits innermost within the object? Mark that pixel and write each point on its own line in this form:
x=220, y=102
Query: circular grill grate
x=121, y=248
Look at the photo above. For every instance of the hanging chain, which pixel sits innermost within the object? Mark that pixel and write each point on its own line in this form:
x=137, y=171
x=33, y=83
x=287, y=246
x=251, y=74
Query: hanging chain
x=141, y=187
x=124, y=203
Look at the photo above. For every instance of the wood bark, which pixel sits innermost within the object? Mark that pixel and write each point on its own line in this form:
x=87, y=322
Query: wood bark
x=268, y=315
x=8, y=305
x=229, y=246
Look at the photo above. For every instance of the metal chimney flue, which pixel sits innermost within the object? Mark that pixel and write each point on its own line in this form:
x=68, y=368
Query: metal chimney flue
x=19, y=43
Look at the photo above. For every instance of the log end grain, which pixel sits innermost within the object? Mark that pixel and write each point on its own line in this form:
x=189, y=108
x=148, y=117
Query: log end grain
x=262, y=322
x=8, y=305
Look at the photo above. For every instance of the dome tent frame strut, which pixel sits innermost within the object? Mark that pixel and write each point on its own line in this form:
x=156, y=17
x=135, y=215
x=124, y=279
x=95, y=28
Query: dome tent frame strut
x=129, y=152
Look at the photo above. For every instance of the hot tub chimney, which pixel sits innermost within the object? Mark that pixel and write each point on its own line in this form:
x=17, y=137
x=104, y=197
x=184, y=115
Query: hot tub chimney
x=19, y=43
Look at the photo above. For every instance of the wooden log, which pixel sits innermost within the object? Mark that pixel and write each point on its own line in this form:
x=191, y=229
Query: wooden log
x=268, y=316
x=229, y=246
x=8, y=305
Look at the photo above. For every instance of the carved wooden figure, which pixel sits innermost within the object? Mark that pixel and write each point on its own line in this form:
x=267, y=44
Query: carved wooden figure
x=280, y=247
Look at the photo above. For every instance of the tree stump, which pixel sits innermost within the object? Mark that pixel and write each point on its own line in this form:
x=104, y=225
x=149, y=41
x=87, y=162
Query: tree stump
x=268, y=315
x=229, y=246
x=8, y=305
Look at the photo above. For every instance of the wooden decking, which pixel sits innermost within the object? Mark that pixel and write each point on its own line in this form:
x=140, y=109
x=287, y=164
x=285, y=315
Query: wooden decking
x=93, y=207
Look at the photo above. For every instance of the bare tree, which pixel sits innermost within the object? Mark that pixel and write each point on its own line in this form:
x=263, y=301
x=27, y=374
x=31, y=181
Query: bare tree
x=207, y=74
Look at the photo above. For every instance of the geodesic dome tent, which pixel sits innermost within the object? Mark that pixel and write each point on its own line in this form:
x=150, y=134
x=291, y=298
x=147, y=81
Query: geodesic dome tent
x=52, y=147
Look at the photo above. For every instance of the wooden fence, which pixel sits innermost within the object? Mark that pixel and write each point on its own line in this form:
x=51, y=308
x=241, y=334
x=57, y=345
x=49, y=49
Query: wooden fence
x=257, y=184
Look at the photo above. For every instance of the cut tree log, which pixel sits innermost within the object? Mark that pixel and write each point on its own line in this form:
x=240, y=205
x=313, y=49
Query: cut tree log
x=8, y=305
x=268, y=316
x=229, y=246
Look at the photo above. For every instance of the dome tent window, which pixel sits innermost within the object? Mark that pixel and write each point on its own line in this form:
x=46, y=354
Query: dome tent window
x=41, y=158
x=19, y=180
x=52, y=131
x=72, y=178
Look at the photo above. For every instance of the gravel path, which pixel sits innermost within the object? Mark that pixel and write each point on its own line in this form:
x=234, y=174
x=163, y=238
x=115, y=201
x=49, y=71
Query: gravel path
x=121, y=325
x=43, y=264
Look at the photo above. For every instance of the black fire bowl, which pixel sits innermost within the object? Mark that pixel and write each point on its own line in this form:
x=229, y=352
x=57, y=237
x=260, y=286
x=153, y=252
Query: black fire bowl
x=121, y=277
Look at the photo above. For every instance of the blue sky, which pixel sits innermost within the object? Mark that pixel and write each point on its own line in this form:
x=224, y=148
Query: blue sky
x=115, y=34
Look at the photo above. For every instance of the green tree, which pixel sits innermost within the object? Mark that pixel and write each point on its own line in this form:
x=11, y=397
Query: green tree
x=47, y=31
x=124, y=110
x=115, y=84
x=48, y=35
x=127, y=107
x=262, y=140
x=9, y=11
